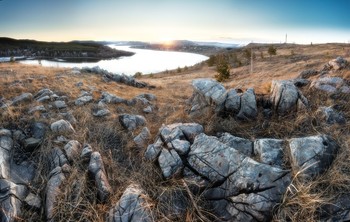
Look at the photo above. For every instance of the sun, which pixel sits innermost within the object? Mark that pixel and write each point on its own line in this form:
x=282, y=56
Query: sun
x=167, y=41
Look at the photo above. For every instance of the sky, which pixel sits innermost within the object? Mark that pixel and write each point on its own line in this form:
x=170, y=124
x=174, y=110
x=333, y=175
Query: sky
x=303, y=21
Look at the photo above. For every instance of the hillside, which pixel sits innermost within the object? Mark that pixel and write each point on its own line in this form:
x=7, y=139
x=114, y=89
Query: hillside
x=62, y=50
x=88, y=145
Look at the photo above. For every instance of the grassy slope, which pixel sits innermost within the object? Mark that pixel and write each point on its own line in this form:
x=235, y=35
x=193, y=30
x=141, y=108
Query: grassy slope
x=124, y=162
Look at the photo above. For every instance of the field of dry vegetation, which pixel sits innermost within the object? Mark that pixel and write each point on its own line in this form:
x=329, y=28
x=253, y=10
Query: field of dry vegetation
x=124, y=162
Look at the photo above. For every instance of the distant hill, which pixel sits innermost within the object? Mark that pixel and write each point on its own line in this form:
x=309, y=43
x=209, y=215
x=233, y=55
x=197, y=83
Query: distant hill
x=74, y=49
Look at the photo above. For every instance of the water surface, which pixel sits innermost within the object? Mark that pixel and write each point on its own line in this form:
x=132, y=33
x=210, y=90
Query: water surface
x=144, y=61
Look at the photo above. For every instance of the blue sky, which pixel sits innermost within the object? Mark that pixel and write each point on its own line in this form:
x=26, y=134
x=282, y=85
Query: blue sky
x=304, y=21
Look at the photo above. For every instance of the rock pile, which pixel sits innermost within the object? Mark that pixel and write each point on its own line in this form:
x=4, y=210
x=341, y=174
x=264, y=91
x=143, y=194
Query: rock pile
x=243, y=180
x=120, y=78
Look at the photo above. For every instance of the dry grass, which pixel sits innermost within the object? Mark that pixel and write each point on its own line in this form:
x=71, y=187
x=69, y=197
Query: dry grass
x=124, y=162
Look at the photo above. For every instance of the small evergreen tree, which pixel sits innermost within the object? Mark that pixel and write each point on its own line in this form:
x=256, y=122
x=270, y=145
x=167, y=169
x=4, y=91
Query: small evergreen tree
x=223, y=68
x=211, y=61
x=272, y=50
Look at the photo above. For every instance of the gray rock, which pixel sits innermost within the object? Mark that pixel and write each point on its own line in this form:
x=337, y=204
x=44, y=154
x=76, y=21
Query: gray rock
x=148, y=109
x=53, y=189
x=285, y=97
x=30, y=144
x=69, y=117
x=246, y=190
x=147, y=96
x=345, y=89
x=189, y=130
x=212, y=159
x=101, y=113
x=43, y=99
x=40, y=108
x=170, y=163
x=131, y=122
x=110, y=98
x=209, y=93
x=25, y=97
x=142, y=139
x=86, y=152
x=33, y=201
x=182, y=147
x=97, y=171
x=250, y=193
x=10, y=203
x=336, y=64
x=244, y=146
x=79, y=84
x=328, y=84
x=42, y=93
x=57, y=158
x=62, y=127
x=312, y=155
x=132, y=207
x=337, y=210
x=269, y=151
x=153, y=150
x=59, y=104
x=72, y=149
x=83, y=100
x=249, y=109
x=331, y=116
x=38, y=130
x=233, y=101
x=171, y=132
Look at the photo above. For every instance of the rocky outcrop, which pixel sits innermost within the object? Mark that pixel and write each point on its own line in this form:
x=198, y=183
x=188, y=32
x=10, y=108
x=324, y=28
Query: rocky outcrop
x=337, y=210
x=14, y=179
x=120, y=78
x=209, y=94
x=243, y=180
x=286, y=98
x=330, y=85
x=336, y=64
x=113, y=99
x=132, y=207
x=131, y=122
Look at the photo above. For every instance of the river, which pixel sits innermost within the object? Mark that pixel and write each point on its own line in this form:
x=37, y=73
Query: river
x=144, y=61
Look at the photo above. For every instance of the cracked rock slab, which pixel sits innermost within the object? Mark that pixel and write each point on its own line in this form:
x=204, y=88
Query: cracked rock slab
x=269, y=151
x=250, y=193
x=313, y=155
x=244, y=146
x=132, y=207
